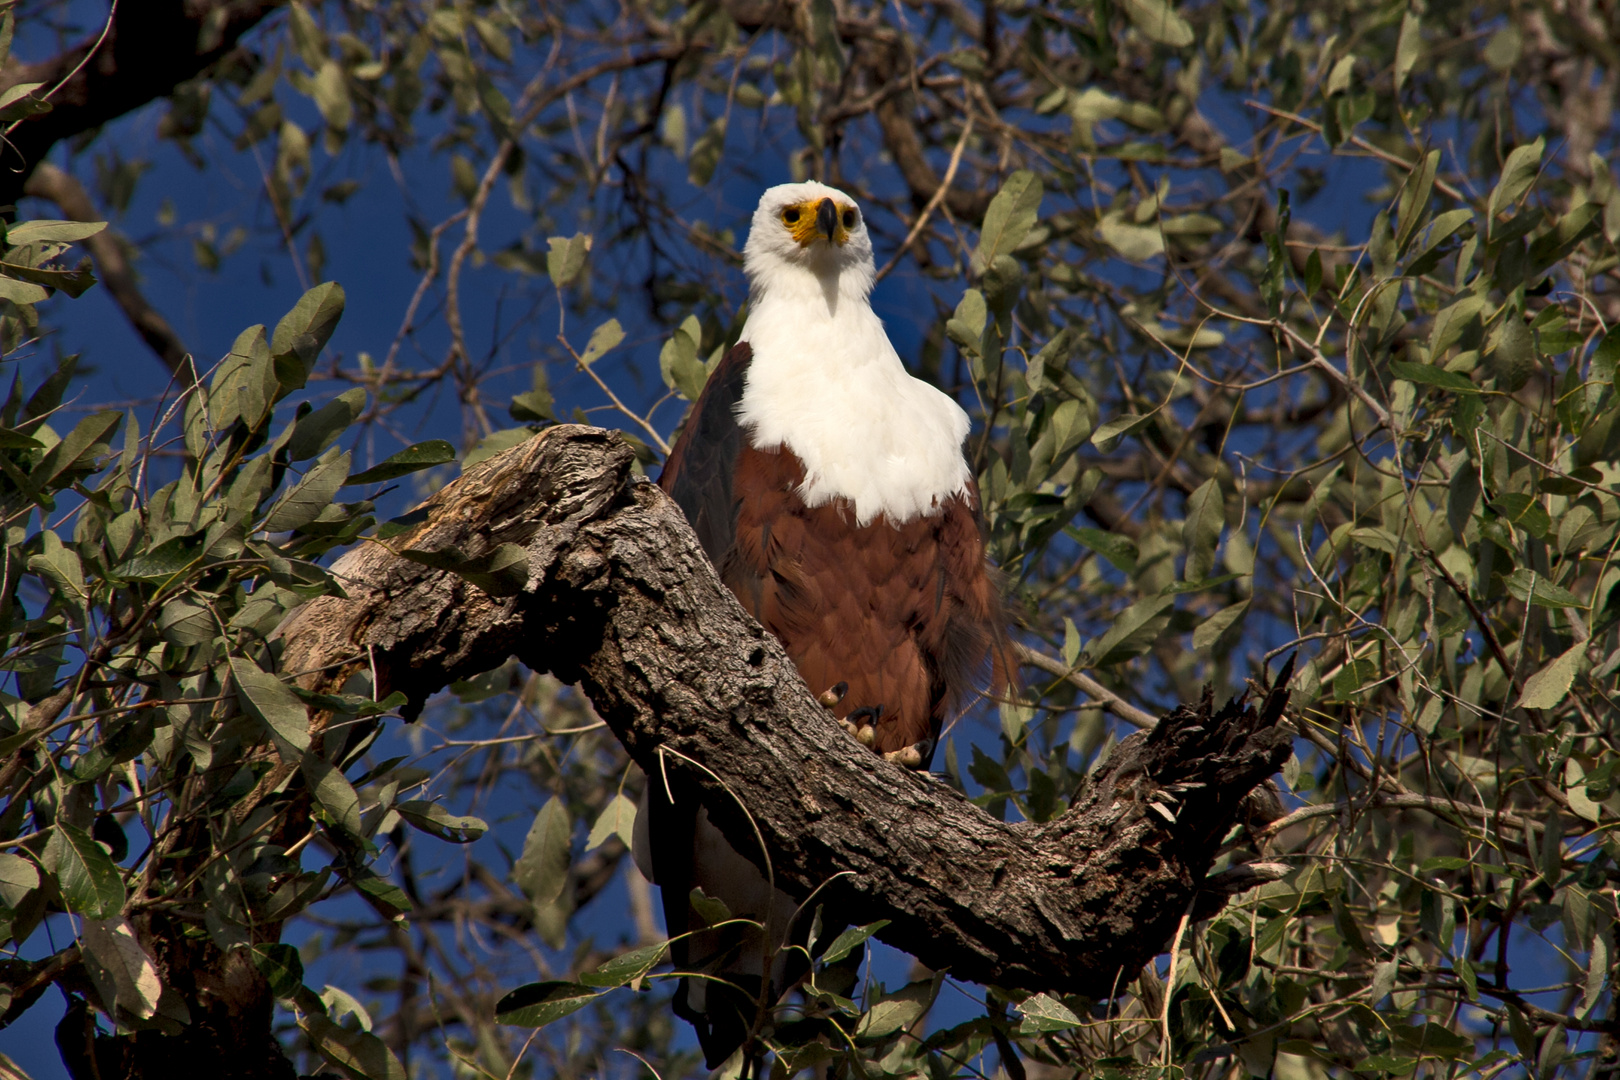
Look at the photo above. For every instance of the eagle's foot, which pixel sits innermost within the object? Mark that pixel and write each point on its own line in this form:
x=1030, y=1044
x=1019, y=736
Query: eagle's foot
x=913, y=756
x=862, y=723
x=830, y=697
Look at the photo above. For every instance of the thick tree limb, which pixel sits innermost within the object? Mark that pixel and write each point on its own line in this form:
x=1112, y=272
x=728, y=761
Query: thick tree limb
x=620, y=598
x=152, y=47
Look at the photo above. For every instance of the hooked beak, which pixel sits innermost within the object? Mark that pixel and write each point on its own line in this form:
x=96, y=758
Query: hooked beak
x=827, y=218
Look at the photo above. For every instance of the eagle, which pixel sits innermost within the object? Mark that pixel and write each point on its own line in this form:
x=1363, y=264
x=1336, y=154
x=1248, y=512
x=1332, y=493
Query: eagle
x=829, y=489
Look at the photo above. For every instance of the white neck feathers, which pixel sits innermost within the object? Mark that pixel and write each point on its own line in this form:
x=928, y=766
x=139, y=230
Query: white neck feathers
x=826, y=384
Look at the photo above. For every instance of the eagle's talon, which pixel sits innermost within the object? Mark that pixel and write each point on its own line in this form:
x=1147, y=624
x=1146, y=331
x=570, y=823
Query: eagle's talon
x=864, y=720
x=833, y=695
x=910, y=757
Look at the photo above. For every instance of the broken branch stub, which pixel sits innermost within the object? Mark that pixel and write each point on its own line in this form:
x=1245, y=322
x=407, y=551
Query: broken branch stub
x=621, y=599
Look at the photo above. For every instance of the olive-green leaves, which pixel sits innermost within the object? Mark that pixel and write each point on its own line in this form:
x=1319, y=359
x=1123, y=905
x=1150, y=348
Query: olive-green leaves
x=538, y=1004
x=90, y=883
x=303, y=332
x=678, y=360
x=542, y=870
x=618, y=818
x=1159, y=20
x=565, y=258
x=1012, y=214
x=414, y=458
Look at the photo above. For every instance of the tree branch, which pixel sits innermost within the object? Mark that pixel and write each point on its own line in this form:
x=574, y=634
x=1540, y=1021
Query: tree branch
x=153, y=47
x=74, y=203
x=620, y=598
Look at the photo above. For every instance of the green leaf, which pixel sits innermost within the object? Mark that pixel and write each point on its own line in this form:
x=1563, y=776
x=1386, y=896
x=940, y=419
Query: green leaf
x=618, y=818
x=271, y=702
x=52, y=232
x=116, y=957
x=78, y=449
x=1159, y=22
x=161, y=563
x=331, y=93
x=1549, y=686
x=1120, y=552
x=1208, y=632
x=678, y=360
x=542, y=870
x=1201, y=532
x=304, y=502
x=705, y=155
x=1134, y=631
x=1433, y=236
x=603, y=338
x=281, y=967
x=75, y=282
x=1011, y=214
x=432, y=818
x=18, y=877
x=1414, y=203
x=88, y=879
x=1408, y=46
x=898, y=1010
x=627, y=969
x=386, y=898
x=358, y=1053
x=414, y=458
x=185, y=622
x=20, y=292
x=1517, y=175
x=966, y=326
x=1512, y=356
x=1043, y=1014
x=850, y=940
x=1430, y=375
x=303, y=332
x=1529, y=586
x=565, y=258
x=1108, y=436
x=321, y=428
x=1524, y=512
x=538, y=1004
x=333, y=792
x=1138, y=243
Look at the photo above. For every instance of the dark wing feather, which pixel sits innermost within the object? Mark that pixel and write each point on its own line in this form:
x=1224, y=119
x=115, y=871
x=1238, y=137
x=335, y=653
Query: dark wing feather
x=698, y=473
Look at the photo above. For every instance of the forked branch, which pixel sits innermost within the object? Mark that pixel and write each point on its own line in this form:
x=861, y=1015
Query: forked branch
x=617, y=595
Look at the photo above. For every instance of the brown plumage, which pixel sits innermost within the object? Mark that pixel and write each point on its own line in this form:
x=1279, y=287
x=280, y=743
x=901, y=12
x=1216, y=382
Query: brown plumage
x=906, y=614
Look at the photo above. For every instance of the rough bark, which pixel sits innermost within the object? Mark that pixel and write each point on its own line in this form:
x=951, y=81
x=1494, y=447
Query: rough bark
x=152, y=47
x=620, y=598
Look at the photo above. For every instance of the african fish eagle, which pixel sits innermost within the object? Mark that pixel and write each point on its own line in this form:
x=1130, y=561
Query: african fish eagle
x=830, y=491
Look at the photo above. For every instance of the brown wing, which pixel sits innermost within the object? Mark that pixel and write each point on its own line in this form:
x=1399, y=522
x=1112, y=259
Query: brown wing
x=906, y=615
x=698, y=472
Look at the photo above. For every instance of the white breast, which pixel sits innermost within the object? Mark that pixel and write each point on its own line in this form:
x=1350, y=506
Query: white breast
x=826, y=383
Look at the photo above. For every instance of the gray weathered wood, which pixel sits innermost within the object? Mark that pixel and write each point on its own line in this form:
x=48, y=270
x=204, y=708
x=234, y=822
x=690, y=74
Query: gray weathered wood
x=620, y=598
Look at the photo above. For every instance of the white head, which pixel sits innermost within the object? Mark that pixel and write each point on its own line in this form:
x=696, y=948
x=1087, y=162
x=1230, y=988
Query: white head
x=809, y=232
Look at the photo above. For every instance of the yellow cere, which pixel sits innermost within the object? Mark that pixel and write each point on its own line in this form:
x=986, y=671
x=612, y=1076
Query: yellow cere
x=801, y=220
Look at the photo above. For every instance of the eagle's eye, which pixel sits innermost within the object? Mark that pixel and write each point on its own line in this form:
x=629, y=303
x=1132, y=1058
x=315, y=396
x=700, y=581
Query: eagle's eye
x=790, y=215
x=849, y=218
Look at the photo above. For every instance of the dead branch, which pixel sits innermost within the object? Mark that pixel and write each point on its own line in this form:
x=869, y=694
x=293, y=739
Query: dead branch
x=620, y=598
